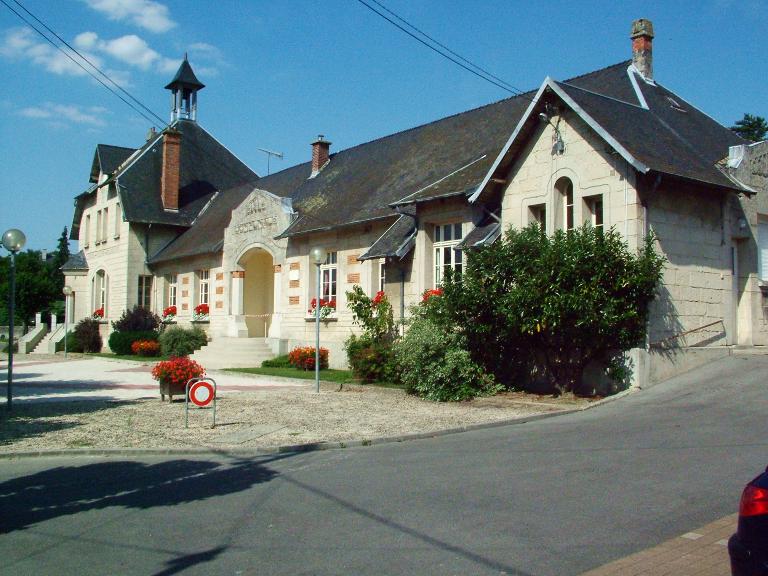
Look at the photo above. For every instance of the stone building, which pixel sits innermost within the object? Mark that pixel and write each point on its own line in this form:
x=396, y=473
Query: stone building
x=182, y=222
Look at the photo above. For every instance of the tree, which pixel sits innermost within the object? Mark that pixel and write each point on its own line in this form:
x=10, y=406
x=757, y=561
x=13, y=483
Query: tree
x=753, y=128
x=552, y=304
x=35, y=286
x=60, y=257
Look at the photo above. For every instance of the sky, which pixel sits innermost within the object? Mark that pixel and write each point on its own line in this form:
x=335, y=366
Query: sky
x=279, y=73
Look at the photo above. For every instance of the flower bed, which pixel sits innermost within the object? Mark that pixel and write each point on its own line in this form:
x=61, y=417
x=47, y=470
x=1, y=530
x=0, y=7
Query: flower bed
x=303, y=358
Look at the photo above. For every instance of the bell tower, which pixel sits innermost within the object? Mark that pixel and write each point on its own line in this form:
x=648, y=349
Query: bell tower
x=184, y=88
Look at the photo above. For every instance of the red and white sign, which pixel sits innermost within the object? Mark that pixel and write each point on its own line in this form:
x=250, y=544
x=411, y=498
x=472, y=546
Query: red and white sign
x=201, y=393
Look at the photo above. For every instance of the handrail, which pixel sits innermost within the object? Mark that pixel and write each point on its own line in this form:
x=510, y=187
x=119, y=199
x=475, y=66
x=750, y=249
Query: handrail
x=681, y=334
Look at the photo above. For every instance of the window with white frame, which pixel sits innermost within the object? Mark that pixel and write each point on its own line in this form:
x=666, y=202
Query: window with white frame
x=594, y=211
x=117, y=220
x=173, y=283
x=99, y=291
x=382, y=274
x=446, y=256
x=145, y=292
x=762, y=244
x=203, y=279
x=98, y=227
x=328, y=276
x=538, y=213
x=564, y=195
x=104, y=224
x=87, y=236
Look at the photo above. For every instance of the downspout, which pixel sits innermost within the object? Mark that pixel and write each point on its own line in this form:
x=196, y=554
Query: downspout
x=402, y=272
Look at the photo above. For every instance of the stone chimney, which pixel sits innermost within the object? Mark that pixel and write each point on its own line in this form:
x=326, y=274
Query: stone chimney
x=642, y=47
x=320, y=154
x=171, y=171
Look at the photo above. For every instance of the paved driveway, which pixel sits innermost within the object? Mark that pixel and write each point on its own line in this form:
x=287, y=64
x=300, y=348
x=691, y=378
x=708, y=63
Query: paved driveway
x=554, y=497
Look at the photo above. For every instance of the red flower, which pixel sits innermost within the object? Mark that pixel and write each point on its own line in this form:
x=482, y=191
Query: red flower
x=177, y=370
x=378, y=298
x=98, y=313
x=202, y=310
x=169, y=311
x=429, y=293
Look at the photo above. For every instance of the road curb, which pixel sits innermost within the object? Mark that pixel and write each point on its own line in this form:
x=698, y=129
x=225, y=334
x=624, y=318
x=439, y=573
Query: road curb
x=298, y=448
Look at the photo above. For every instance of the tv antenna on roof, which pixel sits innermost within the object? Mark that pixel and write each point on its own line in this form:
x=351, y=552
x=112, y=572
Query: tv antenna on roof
x=269, y=154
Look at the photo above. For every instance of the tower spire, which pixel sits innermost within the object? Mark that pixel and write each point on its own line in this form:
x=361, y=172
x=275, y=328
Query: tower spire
x=184, y=88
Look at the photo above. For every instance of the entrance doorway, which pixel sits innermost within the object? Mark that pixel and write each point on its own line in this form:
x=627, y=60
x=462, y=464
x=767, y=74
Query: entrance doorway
x=258, y=291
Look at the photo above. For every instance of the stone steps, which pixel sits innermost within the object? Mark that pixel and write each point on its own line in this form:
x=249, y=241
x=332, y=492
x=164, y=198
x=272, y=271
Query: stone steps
x=233, y=353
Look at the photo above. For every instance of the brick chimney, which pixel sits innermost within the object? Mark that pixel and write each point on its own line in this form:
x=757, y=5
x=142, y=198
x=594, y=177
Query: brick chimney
x=642, y=47
x=171, y=174
x=320, y=154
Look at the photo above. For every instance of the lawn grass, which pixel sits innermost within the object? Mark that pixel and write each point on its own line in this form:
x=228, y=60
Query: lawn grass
x=327, y=375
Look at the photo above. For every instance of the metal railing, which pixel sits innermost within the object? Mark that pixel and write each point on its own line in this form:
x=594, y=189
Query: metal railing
x=659, y=343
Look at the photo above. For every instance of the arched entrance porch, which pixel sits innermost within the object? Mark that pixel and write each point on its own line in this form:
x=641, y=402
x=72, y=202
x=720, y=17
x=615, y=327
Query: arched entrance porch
x=258, y=293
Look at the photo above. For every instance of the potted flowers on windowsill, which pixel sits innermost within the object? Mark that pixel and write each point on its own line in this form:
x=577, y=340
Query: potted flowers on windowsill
x=327, y=310
x=98, y=314
x=174, y=374
x=169, y=315
x=200, y=313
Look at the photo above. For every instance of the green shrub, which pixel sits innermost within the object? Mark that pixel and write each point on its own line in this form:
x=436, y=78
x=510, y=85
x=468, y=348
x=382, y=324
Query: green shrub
x=137, y=319
x=177, y=341
x=370, y=361
x=277, y=362
x=73, y=344
x=552, y=304
x=435, y=364
x=303, y=358
x=87, y=335
x=121, y=342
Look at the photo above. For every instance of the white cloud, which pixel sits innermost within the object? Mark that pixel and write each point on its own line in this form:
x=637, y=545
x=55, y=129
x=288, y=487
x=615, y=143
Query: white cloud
x=21, y=43
x=147, y=14
x=58, y=114
x=130, y=49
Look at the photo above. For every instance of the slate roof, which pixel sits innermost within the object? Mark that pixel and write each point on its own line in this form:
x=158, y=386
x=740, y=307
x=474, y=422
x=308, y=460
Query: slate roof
x=185, y=77
x=207, y=234
x=107, y=158
x=396, y=239
x=653, y=128
x=206, y=167
x=481, y=235
x=75, y=262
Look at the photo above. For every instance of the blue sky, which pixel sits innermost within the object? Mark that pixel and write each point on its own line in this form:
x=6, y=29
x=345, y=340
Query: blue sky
x=280, y=73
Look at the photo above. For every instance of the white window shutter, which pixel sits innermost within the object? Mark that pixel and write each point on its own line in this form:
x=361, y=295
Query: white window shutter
x=762, y=257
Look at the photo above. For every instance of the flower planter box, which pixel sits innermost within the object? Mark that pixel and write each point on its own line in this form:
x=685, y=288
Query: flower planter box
x=171, y=390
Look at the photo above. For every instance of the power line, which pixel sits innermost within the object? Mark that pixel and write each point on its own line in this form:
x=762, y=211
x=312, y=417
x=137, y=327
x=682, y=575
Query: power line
x=441, y=49
x=94, y=66
x=79, y=64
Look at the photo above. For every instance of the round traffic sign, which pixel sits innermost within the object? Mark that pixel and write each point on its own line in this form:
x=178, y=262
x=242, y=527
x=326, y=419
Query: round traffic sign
x=201, y=393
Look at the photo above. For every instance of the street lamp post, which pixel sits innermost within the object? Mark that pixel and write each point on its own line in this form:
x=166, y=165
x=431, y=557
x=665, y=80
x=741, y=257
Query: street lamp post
x=67, y=293
x=13, y=241
x=318, y=256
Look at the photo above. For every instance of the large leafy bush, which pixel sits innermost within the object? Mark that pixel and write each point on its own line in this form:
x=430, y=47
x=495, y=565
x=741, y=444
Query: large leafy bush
x=177, y=341
x=87, y=335
x=122, y=342
x=435, y=364
x=551, y=304
x=137, y=319
x=370, y=355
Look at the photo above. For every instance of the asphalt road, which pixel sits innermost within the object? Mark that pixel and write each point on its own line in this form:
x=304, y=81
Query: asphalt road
x=553, y=497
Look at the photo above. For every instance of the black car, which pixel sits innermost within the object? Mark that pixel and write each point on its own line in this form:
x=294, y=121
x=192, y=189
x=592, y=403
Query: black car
x=748, y=548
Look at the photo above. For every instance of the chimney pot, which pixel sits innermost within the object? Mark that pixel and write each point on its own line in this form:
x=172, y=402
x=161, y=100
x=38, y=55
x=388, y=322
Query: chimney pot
x=171, y=169
x=320, y=154
x=642, y=47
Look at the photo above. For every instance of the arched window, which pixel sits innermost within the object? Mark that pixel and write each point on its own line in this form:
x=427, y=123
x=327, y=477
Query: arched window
x=564, y=204
x=99, y=288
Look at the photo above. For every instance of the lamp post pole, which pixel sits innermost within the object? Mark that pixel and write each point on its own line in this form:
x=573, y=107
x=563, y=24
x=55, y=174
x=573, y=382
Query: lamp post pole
x=318, y=255
x=13, y=241
x=67, y=292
